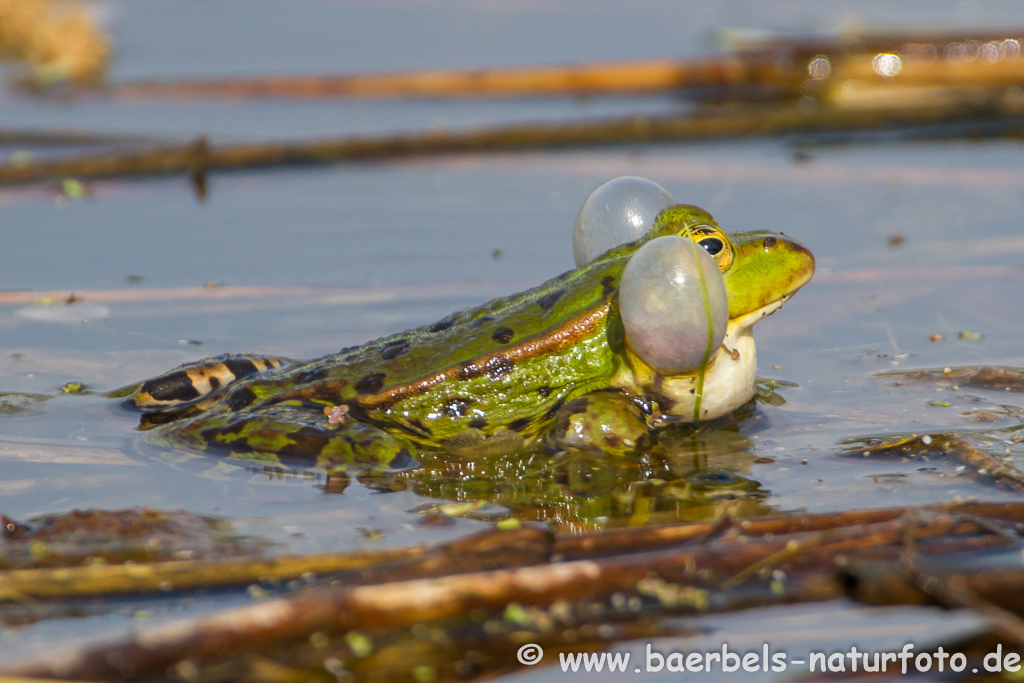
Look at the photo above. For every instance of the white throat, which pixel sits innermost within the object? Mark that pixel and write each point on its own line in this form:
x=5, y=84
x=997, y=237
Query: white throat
x=728, y=381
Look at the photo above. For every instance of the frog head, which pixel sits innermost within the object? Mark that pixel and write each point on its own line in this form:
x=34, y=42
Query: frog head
x=761, y=270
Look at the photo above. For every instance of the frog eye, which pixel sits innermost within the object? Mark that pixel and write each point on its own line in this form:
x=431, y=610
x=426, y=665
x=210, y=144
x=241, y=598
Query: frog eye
x=712, y=245
x=621, y=210
x=714, y=241
x=674, y=305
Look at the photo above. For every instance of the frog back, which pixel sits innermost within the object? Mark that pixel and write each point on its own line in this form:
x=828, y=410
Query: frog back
x=507, y=364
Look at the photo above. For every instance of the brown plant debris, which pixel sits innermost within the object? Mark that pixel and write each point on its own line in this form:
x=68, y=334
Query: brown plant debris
x=979, y=376
x=744, y=565
x=951, y=444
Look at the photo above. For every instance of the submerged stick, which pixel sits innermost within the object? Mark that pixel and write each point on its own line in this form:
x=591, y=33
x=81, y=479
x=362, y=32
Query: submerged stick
x=19, y=585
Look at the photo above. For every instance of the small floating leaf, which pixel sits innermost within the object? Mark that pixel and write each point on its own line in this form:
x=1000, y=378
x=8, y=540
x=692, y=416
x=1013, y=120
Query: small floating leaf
x=74, y=388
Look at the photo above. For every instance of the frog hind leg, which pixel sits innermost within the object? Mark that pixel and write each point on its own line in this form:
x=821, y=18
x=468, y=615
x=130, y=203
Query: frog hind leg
x=608, y=421
x=290, y=432
x=192, y=382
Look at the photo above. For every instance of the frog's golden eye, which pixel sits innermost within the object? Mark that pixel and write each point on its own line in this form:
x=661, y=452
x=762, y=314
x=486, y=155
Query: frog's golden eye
x=715, y=243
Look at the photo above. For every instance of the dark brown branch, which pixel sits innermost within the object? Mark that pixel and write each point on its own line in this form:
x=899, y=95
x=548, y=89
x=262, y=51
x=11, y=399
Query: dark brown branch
x=200, y=157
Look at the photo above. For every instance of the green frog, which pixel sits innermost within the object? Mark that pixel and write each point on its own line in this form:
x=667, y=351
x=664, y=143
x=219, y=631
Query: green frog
x=549, y=367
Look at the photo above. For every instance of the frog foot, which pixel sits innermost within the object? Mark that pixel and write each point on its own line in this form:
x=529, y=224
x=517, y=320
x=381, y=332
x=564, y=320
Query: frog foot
x=192, y=381
x=608, y=421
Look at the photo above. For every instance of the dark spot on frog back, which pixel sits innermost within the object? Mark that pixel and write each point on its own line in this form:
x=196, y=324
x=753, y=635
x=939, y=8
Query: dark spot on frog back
x=607, y=285
x=370, y=383
x=503, y=335
x=441, y=326
x=480, y=321
x=478, y=423
x=394, y=349
x=550, y=299
x=240, y=398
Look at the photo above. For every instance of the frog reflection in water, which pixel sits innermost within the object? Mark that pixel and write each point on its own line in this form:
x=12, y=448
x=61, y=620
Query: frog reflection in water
x=688, y=475
x=548, y=367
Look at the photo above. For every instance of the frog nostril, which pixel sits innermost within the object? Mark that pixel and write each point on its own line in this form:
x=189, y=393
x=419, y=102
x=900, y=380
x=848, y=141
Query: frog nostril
x=769, y=242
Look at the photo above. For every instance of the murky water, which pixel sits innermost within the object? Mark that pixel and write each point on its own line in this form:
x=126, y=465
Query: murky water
x=911, y=240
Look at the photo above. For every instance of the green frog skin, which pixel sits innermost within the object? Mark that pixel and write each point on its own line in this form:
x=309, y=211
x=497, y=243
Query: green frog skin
x=549, y=365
